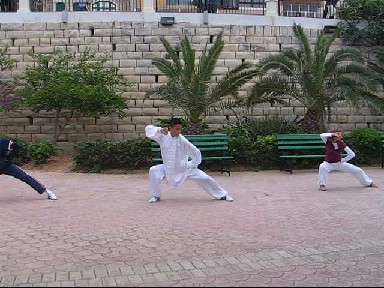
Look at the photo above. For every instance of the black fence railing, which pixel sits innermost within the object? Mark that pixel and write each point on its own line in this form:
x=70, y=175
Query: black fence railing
x=254, y=7
x=287, y=8
x=310, y=8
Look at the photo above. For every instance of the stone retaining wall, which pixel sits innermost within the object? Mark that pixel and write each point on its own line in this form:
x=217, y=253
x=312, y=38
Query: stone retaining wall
x=133, y=45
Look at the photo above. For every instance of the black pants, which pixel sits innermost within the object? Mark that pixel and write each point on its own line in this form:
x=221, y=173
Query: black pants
x=18, y=173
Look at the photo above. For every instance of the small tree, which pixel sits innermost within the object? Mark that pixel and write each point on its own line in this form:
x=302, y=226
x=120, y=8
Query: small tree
x=62, y=82
x=364, y=24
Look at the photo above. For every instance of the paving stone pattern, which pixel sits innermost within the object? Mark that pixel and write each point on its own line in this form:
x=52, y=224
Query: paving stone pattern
x=280, y=231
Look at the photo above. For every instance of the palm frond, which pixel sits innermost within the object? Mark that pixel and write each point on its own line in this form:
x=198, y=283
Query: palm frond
x=272, y=89
x=172, y=54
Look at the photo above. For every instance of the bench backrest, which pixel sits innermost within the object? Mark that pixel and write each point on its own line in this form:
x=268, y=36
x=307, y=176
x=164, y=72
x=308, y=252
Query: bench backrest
x=208, y=144
x=299, y=141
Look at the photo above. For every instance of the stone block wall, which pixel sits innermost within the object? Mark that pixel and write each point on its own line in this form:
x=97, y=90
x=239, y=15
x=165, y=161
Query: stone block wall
x=132, y=46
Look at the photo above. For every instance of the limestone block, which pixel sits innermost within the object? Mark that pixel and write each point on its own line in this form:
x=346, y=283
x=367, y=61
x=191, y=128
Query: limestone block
x=143, y=120
x=6, y=42
x=216, y=119
x=15, y=121
x=83, y=48
x=103, y=32
x=237, y=39
x=59, y=41
x=72, y=49
x=13, y=50
x=20, y=42
x=228, y=55
x=95, y=136
x=44, y=49
x=33, y=42
x=44, y=41
x=135, y=111
x=41, y=121
x=12, y=26
x=231, y=48
x=372, y=119
x=252, y=39
x=25, y=137
x=83, y=32
x=58, y=33
x=15, y=129
x=143, y=31
x=141, y=71
x=134, y=55
x=148, y=56
x=245, y=55
x=125, y=48
x=360, y=125
x=93, y=40
x=126, y=128
x=103, y=48
x=231, y=63
x=286, y=111
x=24, y=50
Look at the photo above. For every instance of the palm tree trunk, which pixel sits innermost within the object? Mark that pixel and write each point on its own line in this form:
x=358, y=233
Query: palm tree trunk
x=313, y=121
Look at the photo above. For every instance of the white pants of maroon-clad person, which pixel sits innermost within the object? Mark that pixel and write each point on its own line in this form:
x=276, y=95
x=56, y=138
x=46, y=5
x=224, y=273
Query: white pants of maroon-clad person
x=357, y=172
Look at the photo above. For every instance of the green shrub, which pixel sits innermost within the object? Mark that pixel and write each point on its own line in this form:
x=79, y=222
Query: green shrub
x=366, y=143
x=260, y=153
x=40, y=151
x=96, y=156
x=270, y=125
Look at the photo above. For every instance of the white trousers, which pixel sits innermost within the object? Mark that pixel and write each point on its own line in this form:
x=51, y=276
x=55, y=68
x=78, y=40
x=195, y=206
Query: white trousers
x=357, y=172
x=209, y=185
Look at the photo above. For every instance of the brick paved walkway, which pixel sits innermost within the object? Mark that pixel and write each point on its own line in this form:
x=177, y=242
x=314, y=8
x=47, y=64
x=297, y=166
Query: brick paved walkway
x=279, y=231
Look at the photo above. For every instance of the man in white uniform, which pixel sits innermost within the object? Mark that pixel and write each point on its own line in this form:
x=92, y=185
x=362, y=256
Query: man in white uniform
x=334, y=147
x=180, y=161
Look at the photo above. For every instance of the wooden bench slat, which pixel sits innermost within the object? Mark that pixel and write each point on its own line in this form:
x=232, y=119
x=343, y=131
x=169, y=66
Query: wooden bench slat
x=290, y=146
x=301, y=147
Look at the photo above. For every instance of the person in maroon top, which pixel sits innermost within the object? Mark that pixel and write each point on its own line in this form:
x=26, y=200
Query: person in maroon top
x=334, y=147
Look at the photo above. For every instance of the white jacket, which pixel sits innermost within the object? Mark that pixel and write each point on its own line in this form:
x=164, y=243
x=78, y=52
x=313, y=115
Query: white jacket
x=179, y=155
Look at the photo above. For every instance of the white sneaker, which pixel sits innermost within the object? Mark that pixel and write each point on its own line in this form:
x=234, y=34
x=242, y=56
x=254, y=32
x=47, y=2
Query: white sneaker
x=154, y=199
x=51, y=195
x=227, y=198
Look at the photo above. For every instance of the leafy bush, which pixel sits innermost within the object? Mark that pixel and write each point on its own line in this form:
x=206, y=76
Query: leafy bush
x=260, y=153
x=364, y=142
x=270, y=125
x=41, y=151
x=96, y=156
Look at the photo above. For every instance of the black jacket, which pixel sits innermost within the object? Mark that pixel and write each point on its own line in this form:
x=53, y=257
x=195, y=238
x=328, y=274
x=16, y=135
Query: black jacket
x=7, y=154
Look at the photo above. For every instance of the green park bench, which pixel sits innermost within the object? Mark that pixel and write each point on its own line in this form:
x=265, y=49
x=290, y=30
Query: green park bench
x=299, y=146
x=213, y=147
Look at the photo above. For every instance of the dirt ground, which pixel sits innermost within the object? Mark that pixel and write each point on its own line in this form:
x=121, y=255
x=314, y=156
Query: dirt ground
x=59, y=163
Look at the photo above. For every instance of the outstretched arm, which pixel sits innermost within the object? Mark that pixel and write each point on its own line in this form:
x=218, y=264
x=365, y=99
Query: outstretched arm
x=350, y=155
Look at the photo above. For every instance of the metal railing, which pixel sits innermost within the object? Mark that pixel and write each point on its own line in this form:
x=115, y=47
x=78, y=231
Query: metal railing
x=310, y=8
x=253, y=7
x=287, y=8
x=85, y=5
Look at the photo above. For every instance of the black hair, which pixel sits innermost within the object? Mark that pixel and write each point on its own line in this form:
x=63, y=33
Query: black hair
x=175, y=121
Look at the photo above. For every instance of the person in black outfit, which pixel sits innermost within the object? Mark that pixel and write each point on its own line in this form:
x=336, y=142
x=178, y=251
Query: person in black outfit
x=10, y=149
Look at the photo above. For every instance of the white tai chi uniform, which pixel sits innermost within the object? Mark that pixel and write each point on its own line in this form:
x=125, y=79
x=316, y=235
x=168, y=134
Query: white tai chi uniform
x=342, y=165
x=176, y=167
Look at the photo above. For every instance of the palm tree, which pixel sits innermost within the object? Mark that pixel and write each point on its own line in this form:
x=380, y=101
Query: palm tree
x=316, y=78
x=377, y=65
x=192, y=86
